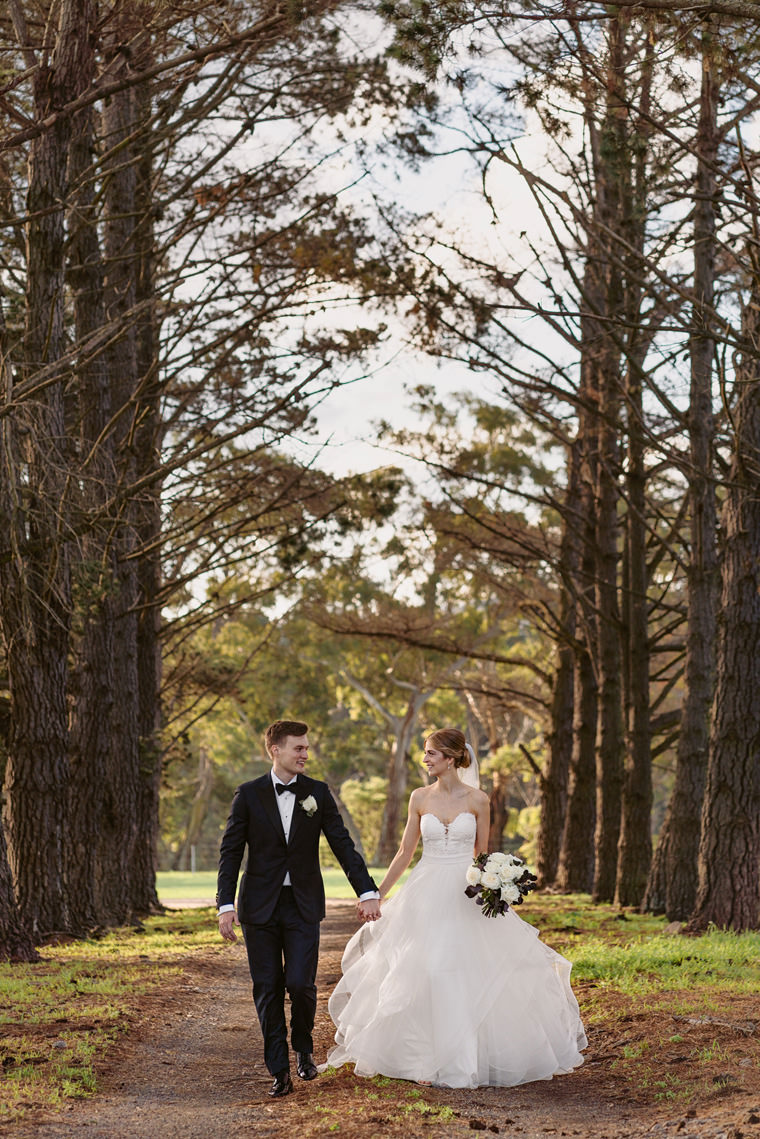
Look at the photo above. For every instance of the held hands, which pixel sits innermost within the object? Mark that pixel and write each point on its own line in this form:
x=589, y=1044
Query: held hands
x=369, y=910
x=227, y=921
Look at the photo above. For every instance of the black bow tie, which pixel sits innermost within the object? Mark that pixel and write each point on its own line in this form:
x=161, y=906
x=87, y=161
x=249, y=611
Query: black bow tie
x=283, y=787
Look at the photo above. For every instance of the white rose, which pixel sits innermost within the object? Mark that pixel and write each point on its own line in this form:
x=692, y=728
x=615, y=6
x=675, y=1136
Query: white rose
x=498, y=857
x=490, y=880
x=510, y=894
x=473, y=876
x=309, y=804
x=509, y=874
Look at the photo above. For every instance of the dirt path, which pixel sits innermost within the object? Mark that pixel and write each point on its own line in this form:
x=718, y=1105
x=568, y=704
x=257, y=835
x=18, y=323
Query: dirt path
x=193, y=1068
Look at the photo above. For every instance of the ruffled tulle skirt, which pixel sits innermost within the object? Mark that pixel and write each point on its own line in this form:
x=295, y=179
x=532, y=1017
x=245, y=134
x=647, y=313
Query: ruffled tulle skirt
x=434, y=991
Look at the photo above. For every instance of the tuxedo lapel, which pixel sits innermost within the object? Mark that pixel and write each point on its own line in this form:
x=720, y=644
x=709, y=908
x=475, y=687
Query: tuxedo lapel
x=269, y=803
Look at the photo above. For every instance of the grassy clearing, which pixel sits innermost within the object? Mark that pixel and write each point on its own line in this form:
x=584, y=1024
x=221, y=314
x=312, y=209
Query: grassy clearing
x=718, y=962
x=180, y=886
x=58, y=1017
x=630, y=952
x=565, y=918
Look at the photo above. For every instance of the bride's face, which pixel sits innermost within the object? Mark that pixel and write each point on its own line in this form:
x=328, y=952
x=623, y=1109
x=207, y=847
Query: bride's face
x=434, y=761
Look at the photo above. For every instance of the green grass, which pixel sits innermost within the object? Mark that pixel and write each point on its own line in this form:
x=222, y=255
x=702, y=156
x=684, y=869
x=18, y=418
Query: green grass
x=564, y=917
x=59, y=1016
x=718, y=961
x=180, y=886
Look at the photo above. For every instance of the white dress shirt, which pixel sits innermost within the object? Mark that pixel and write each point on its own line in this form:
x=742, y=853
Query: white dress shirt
x=285, y=805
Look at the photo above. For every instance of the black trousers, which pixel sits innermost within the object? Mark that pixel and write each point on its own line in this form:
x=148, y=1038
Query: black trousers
x=282, y=955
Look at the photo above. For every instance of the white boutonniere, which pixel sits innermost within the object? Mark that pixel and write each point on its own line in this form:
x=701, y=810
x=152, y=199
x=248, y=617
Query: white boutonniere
x=309, y=805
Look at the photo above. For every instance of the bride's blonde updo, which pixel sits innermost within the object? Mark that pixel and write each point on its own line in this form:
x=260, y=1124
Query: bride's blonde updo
x=450, y=741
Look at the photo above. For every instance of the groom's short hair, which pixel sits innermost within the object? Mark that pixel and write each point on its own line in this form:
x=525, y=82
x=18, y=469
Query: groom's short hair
x=280, y=730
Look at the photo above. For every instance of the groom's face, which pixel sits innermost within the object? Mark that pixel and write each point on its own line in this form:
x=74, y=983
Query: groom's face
x=289, y=757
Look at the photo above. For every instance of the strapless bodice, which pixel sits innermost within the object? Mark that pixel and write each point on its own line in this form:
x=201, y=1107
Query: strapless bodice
x=448, y=840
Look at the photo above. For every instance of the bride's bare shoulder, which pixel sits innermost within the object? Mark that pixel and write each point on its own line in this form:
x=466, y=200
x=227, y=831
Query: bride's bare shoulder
x=417, y=798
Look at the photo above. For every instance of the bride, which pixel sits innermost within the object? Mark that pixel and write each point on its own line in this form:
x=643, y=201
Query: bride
x=435, y=991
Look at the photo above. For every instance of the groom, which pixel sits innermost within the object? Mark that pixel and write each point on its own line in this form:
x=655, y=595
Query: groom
x=282, y=897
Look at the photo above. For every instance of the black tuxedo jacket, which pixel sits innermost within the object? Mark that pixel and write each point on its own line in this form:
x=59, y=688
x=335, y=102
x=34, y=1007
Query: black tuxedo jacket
x=255, y=822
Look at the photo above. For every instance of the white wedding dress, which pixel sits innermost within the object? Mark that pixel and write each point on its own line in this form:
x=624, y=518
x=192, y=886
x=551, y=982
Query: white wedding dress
x=435, y=991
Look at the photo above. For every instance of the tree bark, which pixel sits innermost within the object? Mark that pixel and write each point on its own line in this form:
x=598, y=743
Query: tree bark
x=16, y=939
x=575, y=873
x=119, y=794
x=672, y=885
x=610, y=744
x=35, y=580
x=499, y=811
x=728, y=894
x=147, y=444
x=92, y=678
x=554, y=785
x=16, y=942
x=398, y=770
x=635, y=845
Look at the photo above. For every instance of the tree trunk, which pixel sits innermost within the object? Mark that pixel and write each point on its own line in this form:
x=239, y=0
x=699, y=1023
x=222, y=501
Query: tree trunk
x=92, y=679
x=198, y=809
x=119, y=794
x=16, y=939
x=729, y=851
x=575, y=874
x=390, y=828
x=635, y=845
x=34, y=582
x=554, y=785
x=16, y=943
x=499, y=811
x=147, y=443
x=672, y=885
x=610, y=744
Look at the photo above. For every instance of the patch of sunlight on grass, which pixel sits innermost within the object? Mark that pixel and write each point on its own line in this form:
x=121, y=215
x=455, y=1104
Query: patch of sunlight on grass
x=719, y=960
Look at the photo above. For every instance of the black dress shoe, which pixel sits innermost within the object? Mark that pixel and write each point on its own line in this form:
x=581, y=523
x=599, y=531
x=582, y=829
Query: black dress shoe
x=305, y=1066
x=282, y=1084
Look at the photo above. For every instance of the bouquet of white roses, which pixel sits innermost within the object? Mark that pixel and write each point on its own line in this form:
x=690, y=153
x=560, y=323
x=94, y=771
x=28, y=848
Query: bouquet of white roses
x=497, y=881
